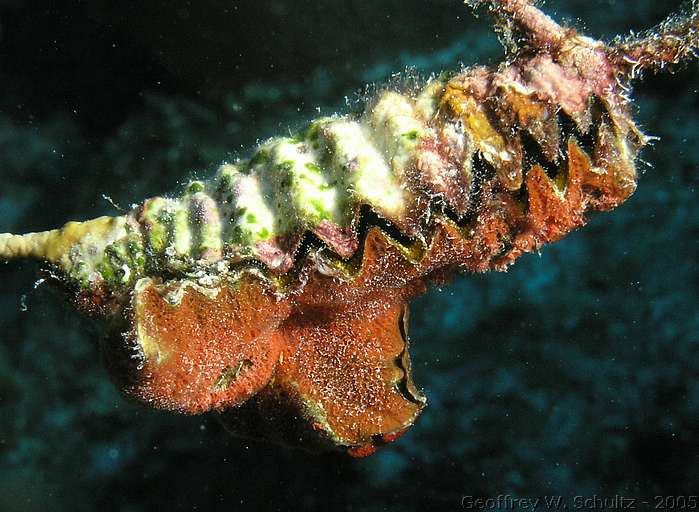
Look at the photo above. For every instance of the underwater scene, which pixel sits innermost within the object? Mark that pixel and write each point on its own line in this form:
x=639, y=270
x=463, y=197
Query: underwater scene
x=291, y=283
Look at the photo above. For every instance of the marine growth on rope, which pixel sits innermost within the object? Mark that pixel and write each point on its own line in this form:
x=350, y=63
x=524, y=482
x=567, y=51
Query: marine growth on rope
x=276, y=292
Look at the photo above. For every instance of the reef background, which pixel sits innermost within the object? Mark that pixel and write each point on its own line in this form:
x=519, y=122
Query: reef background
x=575, y=373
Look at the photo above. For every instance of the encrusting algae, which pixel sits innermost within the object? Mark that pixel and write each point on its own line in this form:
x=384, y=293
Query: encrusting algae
x=276, y=292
